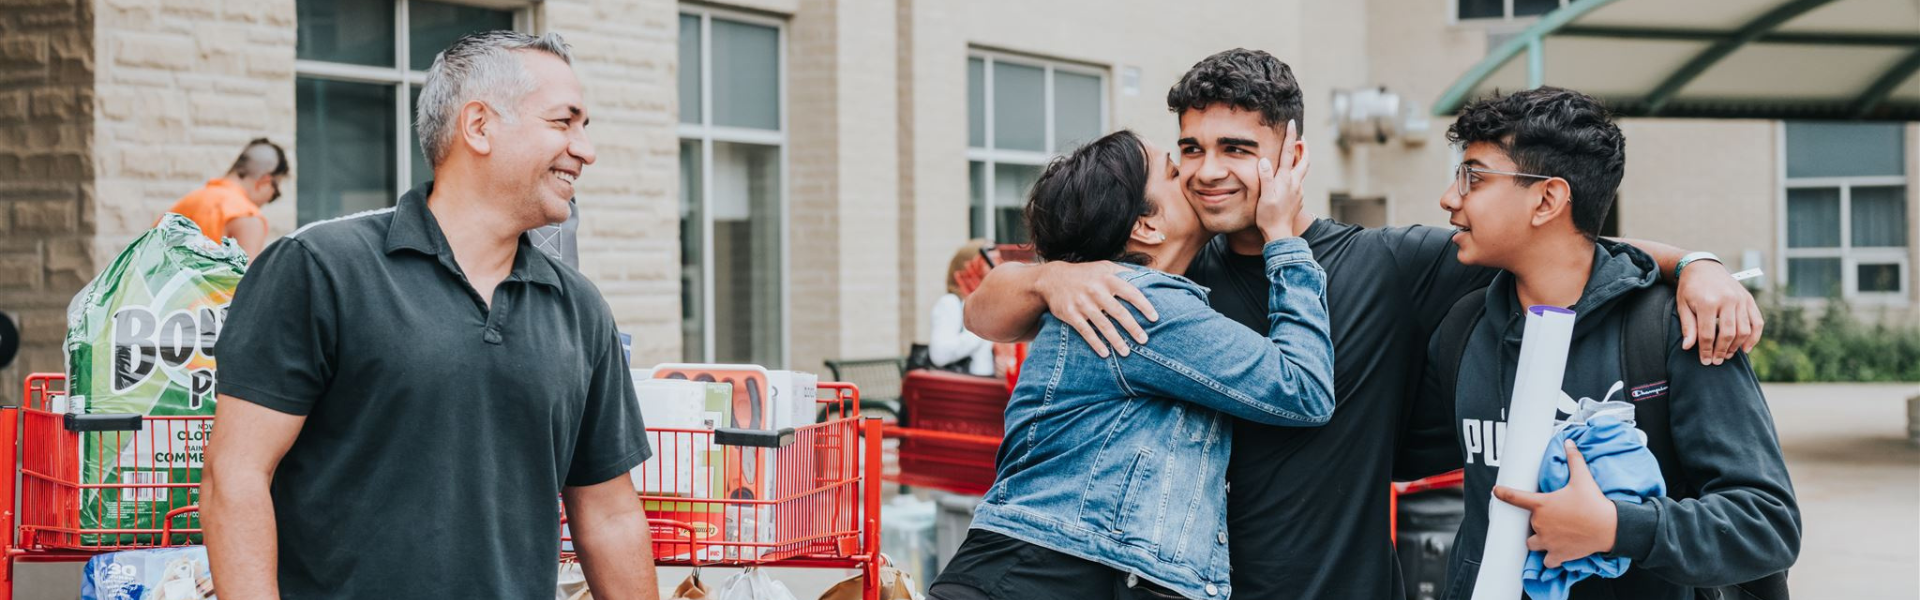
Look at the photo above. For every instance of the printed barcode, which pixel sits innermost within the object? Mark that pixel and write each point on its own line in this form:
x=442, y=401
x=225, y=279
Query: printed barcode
x=143, y=494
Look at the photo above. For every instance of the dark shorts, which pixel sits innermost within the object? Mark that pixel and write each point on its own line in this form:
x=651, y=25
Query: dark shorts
x=991, y=566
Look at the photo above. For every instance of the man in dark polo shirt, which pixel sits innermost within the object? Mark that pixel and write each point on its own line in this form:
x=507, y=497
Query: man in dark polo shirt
x=1307, y=508
x=405, y=393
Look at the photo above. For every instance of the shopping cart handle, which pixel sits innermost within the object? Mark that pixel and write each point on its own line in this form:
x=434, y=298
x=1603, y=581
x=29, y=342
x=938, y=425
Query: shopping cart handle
x=759, y=438
x=114, y=422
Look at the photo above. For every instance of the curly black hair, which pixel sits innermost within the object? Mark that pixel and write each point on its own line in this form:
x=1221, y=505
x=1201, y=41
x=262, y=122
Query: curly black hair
x=1084, y=206
x=1554, y=132
x=1250, y=80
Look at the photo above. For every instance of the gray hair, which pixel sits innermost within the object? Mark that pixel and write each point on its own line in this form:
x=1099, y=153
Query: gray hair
x=479, y=66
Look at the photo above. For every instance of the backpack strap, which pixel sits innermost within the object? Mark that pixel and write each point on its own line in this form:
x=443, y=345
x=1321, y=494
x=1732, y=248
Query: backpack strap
x=1428, y=435
x=1456, y=329
x=1644, y=335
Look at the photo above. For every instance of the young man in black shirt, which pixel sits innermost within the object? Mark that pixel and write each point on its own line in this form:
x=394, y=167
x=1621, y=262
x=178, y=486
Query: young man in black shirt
x=1307, y=509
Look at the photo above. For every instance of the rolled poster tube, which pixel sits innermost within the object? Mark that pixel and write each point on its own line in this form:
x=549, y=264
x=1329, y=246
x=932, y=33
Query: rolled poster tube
x=1543, y=365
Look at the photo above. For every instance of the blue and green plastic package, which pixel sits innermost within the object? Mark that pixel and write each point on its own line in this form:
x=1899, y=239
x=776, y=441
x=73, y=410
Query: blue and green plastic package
x=140, y=341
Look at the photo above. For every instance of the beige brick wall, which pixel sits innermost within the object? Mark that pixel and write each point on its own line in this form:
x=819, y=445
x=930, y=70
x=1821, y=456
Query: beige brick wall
x=1415, y=53
x=625, y=55
x=181, y=87
x=1705, y=185
x=844, y=189
x=46, y=174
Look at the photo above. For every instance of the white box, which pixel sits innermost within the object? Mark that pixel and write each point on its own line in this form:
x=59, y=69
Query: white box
x=796, y=398
x=750, y=473
x=682, y=464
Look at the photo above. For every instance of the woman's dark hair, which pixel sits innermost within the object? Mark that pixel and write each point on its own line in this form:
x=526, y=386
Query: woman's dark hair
x=1085, y=204
x=1556, y=133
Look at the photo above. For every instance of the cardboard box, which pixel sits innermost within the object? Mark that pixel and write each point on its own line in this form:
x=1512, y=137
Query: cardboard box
x=749, y=473
x=686, y=463
x=796, y=398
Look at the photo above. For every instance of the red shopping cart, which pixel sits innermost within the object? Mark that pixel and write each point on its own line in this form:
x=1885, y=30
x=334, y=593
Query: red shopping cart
x=74, y=502
x=951, y=425
x=823, y=510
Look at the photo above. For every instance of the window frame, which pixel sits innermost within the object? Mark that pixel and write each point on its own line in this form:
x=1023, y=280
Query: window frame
x=1506, y=14
x=707, y=134
x=989, y=155
x=1850, y=257
x=402, y=79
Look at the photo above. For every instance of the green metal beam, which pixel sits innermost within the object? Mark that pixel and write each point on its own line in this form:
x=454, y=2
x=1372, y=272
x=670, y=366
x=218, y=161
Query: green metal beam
x=1456, y=95
x=1719, y=50
x=1884, y=86
x=1536, y=64
x=1817, y=38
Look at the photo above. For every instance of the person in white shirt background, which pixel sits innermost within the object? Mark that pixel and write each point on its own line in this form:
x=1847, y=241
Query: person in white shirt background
x=954, y=348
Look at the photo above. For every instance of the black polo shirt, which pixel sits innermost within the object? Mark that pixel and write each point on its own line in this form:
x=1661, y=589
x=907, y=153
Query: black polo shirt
x=439, y=431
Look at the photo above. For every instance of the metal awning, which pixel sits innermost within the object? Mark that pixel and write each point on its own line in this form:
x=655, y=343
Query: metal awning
x=1744, y=59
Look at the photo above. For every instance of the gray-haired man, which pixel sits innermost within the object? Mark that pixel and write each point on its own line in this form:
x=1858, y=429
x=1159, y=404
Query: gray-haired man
x=404, y=393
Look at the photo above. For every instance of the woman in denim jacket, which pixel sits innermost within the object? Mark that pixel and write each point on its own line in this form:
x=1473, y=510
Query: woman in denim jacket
x=1111, y=479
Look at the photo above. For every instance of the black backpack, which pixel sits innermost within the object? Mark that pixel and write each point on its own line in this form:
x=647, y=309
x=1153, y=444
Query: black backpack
x=1643, y=355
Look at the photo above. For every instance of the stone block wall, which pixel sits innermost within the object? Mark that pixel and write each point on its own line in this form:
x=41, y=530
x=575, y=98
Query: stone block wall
x=181, y=86
x=47, y=103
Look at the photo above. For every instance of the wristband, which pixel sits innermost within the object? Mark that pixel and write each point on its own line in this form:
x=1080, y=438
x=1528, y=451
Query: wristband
x=1689, y=258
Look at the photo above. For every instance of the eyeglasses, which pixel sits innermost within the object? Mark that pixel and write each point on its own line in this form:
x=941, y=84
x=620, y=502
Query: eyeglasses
x=1463, y=182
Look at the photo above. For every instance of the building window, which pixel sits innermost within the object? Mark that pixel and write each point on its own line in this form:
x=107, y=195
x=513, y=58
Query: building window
x=733, y=218
x=1020, y=113
x=1502, y=10
x=1846, y=211
x=359, y=68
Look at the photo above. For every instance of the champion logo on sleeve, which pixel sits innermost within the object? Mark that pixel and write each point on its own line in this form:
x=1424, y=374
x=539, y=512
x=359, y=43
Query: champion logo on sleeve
x=1648, y=391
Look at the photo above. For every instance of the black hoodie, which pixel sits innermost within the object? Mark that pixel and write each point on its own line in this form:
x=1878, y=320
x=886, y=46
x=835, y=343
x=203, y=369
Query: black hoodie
x=1745, y=523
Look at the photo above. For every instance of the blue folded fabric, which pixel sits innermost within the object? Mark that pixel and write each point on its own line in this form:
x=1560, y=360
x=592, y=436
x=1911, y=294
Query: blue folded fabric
x=1625, y=470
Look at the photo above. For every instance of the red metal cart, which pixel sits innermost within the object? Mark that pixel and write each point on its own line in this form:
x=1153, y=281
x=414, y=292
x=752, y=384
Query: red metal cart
x=950, y=432
x=824, y=511
x=1450, y=479
x=41, y=447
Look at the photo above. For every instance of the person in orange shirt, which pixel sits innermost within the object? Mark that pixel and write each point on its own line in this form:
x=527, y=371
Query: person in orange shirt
x=229, y=206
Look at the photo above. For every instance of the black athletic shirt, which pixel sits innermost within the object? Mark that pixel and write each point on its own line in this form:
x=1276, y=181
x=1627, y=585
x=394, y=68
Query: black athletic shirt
x=1307, y=511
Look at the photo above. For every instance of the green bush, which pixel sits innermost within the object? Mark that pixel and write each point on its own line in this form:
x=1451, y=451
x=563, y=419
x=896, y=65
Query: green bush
x=1832, y=345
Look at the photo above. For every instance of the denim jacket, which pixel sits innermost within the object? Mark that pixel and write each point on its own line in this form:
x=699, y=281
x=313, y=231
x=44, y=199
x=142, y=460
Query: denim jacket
x=1122, y=460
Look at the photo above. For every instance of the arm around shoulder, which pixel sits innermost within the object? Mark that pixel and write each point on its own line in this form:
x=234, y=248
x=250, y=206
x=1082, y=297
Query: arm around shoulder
x=1199, y=355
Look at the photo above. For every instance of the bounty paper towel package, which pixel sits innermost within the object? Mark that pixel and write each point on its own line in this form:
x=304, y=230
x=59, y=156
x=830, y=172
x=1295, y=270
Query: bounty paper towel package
x=796, y=398
x=140, y=341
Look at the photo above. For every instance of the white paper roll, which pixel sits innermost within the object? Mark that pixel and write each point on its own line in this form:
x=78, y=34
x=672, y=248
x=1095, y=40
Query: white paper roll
x=1543, y=364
